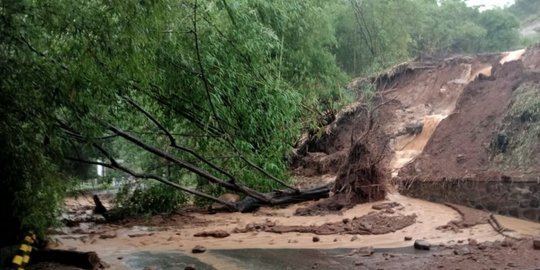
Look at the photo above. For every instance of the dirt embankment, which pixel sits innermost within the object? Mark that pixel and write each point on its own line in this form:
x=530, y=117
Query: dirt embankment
x=466, y=116
x=492, y=130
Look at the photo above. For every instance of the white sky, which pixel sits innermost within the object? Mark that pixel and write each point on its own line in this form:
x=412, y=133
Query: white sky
x=490, y=3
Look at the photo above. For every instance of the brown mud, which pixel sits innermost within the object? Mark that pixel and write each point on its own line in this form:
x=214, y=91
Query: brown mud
x=371, y=223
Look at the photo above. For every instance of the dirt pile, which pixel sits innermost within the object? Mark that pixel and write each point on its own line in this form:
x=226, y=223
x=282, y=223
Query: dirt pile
x=372, y=223
x=460, y=117
x=494, y=127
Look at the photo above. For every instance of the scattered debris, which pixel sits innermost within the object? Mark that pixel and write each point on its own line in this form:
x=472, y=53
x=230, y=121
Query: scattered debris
x=372, y=223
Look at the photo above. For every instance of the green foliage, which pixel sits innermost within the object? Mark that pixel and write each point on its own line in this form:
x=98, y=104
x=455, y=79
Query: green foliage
x=501, y=28
x=373, y=35
x=228, y=79
x=153, y=199
x=521, y=127
x=526, y=8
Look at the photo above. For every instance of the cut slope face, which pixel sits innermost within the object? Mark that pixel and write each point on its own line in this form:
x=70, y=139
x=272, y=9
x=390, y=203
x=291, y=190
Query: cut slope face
x=446, y=118
x=486, y=128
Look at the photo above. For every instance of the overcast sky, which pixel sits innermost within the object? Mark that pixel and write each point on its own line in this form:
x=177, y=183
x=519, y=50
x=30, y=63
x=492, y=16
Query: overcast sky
x=490, y=3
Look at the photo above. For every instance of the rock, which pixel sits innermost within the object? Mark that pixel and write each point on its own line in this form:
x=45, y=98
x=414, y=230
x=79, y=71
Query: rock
x=133, y=235
x=512, y=265
x=198, y=249
x=507, y=243
x=354, y=238
x=365, y=251
x=473, y=242
x=358, y=263
x=150, y=268
x=421, y=245
x=536, y=243
x=462, y=251
x=215, y=234
x=408, y=238
x=335, y=240
x=316, y=239
x=414, y=128
x=385, y=205
x=346, y=220
x=190, y=267
x=107, y=236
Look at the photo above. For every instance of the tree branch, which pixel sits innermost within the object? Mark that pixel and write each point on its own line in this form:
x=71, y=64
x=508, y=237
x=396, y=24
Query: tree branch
x=116, y=166
x=172, y=140
x=190, y=167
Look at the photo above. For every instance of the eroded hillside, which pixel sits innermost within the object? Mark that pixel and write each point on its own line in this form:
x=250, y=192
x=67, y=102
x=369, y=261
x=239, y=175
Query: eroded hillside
x=446, y=118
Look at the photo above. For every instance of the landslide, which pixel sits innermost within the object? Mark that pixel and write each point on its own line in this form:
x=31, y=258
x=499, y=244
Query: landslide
x=494, y=129
x=461, y=116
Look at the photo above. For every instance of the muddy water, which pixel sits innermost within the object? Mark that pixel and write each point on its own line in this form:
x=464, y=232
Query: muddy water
x=179, y=237
x=410, y=146
x=512, y=56
x=127, y=246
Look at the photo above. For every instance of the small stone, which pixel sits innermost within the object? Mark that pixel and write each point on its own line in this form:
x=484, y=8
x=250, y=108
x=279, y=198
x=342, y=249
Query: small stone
x=198, y=249
x=190, y=267
x=107, y=236
x=462, y=251
x=473, y=242
x=354, y=238
x=346, y=220
x=512, y=265
x=316, y=239
x=536, y=243
x=133, y=235
x=507, y=243
x=421, y=245
x=120, y=258
x=215, y=234
x=358, y=263
x=482, y=247
x=408, y=238
x=335, y=240
x=385, y=205
x=460, y=241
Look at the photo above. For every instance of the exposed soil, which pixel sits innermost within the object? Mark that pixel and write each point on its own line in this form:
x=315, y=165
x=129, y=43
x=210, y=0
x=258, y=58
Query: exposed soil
x=468, y=218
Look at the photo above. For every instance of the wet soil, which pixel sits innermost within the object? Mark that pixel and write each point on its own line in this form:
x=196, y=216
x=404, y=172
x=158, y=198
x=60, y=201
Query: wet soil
x=372, y=223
